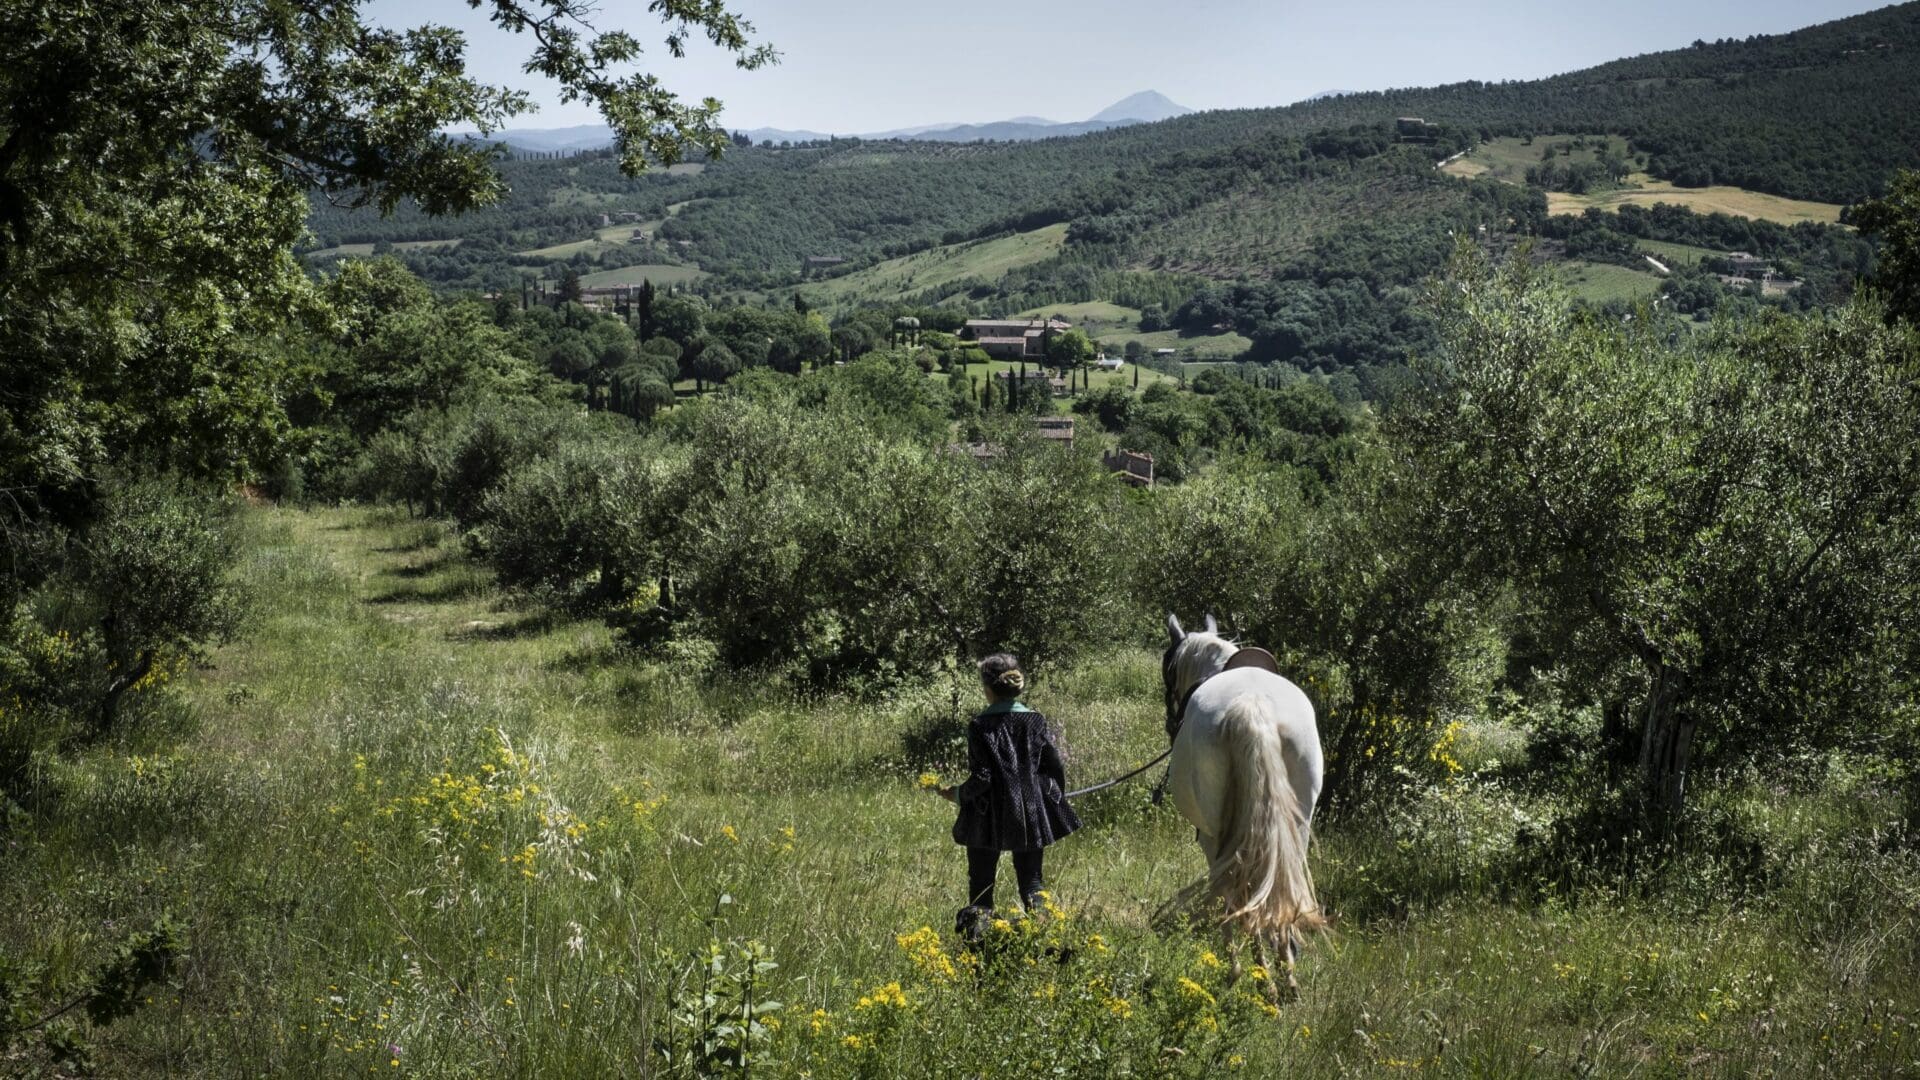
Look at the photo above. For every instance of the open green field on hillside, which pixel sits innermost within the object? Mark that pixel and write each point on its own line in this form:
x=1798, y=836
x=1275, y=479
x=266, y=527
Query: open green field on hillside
x=1644, y=190
x=986, y=260
x=363, y=250
x=1094, y=317
x=1510, y=157
x=658, y=273
x=606, y=238
x=411, y=828
x=1600, y=283
x=567, y=250
x=1186, y=346
x=1111, y=326
x=1258, y=228
x=1676, y=254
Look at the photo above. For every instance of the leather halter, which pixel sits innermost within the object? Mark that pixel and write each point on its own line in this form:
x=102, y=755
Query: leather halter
x=1250, y=657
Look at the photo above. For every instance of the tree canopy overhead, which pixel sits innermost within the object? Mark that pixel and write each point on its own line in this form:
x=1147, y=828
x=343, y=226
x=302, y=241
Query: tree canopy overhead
x=134, y=284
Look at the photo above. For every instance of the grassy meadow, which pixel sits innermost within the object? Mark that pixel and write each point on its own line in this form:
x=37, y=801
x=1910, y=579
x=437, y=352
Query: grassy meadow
x=1672, y=254
x=1509, y=158
x=411, y=827
x=1112, y=325
x=663, y=274
x=367, y=249
x=1600, y=283
x=950, y=264
x=1644, y=190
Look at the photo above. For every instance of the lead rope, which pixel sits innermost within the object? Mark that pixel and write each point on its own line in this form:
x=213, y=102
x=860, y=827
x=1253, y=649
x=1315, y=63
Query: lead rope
x=1122, y=778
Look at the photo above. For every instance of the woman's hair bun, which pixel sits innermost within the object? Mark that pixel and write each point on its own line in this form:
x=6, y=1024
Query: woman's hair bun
x=1002, y=675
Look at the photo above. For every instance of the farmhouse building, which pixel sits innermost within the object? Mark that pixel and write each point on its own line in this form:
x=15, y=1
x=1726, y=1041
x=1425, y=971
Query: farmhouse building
x=1013, y=339
x=1055, y=428
x=1132, y=467
x=1413, y=128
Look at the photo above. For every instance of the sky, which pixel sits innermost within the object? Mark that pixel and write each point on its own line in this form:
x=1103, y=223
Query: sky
x=852, y=66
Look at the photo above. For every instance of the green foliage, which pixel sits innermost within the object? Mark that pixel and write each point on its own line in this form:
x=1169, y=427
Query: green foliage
x=120, y=608
x=714, y=362
x=718, y=1024
x=403, y=351
x=32, y=1031
x=583, y=525
x=1069, y=351
x=1223, y=544
x=1895, y=222
x=332, y=829
x=1723, y=513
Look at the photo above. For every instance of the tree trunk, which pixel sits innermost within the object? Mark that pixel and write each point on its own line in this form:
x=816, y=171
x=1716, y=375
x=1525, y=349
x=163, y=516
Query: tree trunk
x=1666, y=748
x=1616, y=741
x=1340, y=766
x=110, y=704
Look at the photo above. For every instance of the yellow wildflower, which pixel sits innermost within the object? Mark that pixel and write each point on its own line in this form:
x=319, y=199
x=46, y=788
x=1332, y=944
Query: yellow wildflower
x=1210, y=961
x=1194, y=990
x=1120, y=1007
x=929, y=781
x=727, y=831
x=924, y=948
x=888, y=995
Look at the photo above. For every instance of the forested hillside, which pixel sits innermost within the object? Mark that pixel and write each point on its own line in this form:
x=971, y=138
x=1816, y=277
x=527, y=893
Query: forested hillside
x=1823, y=113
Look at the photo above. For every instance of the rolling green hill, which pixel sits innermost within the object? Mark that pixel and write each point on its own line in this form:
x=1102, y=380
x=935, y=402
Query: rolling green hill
x=1822, y=114
x=939, y=268
x=1298, y=235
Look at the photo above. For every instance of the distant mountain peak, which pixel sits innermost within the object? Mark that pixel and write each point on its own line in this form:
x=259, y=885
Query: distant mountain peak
x=1147, y=105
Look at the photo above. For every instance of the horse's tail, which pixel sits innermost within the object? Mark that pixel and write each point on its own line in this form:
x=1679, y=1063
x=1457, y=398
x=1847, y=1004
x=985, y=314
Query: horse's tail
x=1260, y=869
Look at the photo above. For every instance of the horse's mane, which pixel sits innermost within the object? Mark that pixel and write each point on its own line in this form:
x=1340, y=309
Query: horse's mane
x=1199, y=656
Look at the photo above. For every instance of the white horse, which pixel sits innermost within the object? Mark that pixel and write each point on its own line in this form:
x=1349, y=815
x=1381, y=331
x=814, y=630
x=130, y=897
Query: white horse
x=1246, y=772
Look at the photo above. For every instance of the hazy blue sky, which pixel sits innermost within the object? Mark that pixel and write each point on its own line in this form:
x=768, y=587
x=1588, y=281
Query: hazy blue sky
x=866, y=65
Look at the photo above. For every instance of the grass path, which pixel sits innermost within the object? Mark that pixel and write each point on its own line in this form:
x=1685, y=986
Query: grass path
x=414, y=828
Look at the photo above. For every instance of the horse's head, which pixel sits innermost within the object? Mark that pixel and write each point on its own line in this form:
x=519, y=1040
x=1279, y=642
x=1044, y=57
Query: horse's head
x=1190, y=659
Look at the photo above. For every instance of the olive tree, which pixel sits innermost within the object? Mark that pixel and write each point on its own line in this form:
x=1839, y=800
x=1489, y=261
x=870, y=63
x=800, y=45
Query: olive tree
x=1728, y=511
x=1894, y=220
x=155, y=165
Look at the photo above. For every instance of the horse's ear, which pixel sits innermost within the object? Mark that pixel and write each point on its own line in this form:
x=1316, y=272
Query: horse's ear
x=1212, y=627
x=1173, y=628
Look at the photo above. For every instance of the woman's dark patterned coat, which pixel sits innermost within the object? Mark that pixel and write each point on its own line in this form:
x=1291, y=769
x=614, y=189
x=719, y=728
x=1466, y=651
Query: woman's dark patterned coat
x=1015, y=796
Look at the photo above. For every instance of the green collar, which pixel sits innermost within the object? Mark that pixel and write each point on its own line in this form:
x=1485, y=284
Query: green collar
x=999, y=707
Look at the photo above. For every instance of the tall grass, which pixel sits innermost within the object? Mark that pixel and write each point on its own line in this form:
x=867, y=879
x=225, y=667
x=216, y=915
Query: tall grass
x=412, y=829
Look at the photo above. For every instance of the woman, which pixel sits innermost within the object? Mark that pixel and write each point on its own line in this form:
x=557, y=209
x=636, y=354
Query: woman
x=1015, y=796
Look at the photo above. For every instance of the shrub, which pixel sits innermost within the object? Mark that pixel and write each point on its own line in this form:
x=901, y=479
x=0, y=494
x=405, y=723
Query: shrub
x=126, y=604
